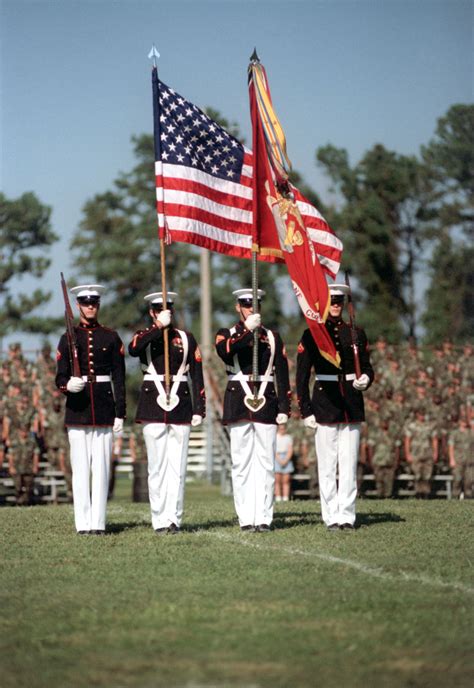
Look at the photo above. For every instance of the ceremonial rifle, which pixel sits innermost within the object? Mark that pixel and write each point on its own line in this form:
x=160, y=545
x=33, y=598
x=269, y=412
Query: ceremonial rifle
x=70, y=332
x=355, y=343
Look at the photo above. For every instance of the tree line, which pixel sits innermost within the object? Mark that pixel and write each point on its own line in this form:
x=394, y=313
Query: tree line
x=400, y=218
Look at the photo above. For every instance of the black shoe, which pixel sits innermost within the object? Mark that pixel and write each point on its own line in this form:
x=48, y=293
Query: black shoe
x=347, y=526
x=263, y=528
x=332, y=527
x=161, y=531
x=173, y=529
x=98, y=532
x=83, y=532
x=248, y=529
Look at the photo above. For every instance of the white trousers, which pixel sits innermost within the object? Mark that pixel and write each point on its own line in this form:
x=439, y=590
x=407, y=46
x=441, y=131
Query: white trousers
x=337, y=449
x=167, y=451
x=252, y=447
x=91, y=449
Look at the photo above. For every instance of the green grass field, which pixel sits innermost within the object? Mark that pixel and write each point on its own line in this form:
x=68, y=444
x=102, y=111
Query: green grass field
x=389, y=605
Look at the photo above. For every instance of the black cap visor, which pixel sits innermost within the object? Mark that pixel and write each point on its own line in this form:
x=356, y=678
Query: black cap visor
x=158, y=307
x=88, y=300
x=337, y=300
x=248, y=303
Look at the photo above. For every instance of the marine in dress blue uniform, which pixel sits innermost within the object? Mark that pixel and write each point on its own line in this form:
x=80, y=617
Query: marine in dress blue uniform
x=167, y=419
x=335, y=410
x=253, y=432
x=95, y=407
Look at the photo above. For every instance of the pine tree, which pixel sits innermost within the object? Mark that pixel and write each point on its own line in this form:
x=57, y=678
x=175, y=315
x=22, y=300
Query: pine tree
x=25, y=238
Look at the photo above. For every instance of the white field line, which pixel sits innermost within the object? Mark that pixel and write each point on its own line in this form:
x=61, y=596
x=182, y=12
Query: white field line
x=373, y=571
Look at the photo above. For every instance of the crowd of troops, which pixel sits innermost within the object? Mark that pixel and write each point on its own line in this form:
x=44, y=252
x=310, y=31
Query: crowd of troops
x=419, y=417
x=31, y=421
x=418, y=421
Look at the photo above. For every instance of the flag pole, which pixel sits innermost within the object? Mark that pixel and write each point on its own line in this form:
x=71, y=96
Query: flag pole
x=255, y=332
x=256, y=402
x=154, y=54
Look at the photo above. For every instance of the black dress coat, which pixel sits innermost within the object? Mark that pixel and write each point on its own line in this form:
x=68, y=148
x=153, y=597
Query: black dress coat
x=336, y=401
x=191, y=401
x=100, y=352
x=278, y=396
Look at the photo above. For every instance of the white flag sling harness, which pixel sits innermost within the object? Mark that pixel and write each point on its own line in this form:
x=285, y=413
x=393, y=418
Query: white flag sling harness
x=168, y=401
x=235, y=373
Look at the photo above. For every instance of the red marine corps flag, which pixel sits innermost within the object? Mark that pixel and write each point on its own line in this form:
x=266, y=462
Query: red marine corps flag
x=305, y=240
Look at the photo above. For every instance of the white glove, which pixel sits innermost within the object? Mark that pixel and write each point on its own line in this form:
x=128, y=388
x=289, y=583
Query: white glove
x=310, y=422
x=118, y=425
x=361, y=382
x=281, y=419
x=164, y=318
x=75, y=384
x=252, y=321
x=196, y=420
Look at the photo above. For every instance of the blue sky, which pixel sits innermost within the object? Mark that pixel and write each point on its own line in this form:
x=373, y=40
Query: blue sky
x=75, y=83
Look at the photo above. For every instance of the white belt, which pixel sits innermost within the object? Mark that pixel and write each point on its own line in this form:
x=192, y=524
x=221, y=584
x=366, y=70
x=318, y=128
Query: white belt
x=249, y=378
x=161, y=378
x=335, y=378
x=96, y=378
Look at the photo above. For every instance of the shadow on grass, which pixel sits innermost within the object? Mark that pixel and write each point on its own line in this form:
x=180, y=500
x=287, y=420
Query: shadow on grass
x=292, y=519
x=288, y=519
x=115, y=528
x=364, y=520
x=281, y=521
x=209, y=525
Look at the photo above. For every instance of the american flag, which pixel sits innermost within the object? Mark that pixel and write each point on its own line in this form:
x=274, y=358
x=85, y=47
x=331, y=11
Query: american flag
x=204, y=186
x=203, y=177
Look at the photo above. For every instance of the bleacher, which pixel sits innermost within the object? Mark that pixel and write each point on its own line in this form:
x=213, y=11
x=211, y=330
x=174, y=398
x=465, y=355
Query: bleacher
x=49, y=487
x=303, y=488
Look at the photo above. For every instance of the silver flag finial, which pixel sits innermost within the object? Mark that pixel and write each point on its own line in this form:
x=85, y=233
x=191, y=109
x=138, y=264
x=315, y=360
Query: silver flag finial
x=153, y=54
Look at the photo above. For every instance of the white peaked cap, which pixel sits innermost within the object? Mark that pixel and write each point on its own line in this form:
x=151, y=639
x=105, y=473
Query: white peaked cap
x=157, y=297
x=87, y=290
x=247, y=293
x=338, y=289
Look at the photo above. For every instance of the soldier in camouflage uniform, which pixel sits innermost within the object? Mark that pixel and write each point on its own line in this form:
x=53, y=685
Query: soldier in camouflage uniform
x=2, y=432
x=437, y=414
x=304, y=456
x=461, y=459
x=421, y=451
x=54, y=438
x=4, y=382
x=384, y=454
x=23, y=459
x=411, y=359
x=363, y=462
x=18, y=410
x=138, y=454
x=392, y=376
x=466, y=368
x=15, y=357
x=46, y=365
x=137, y=446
